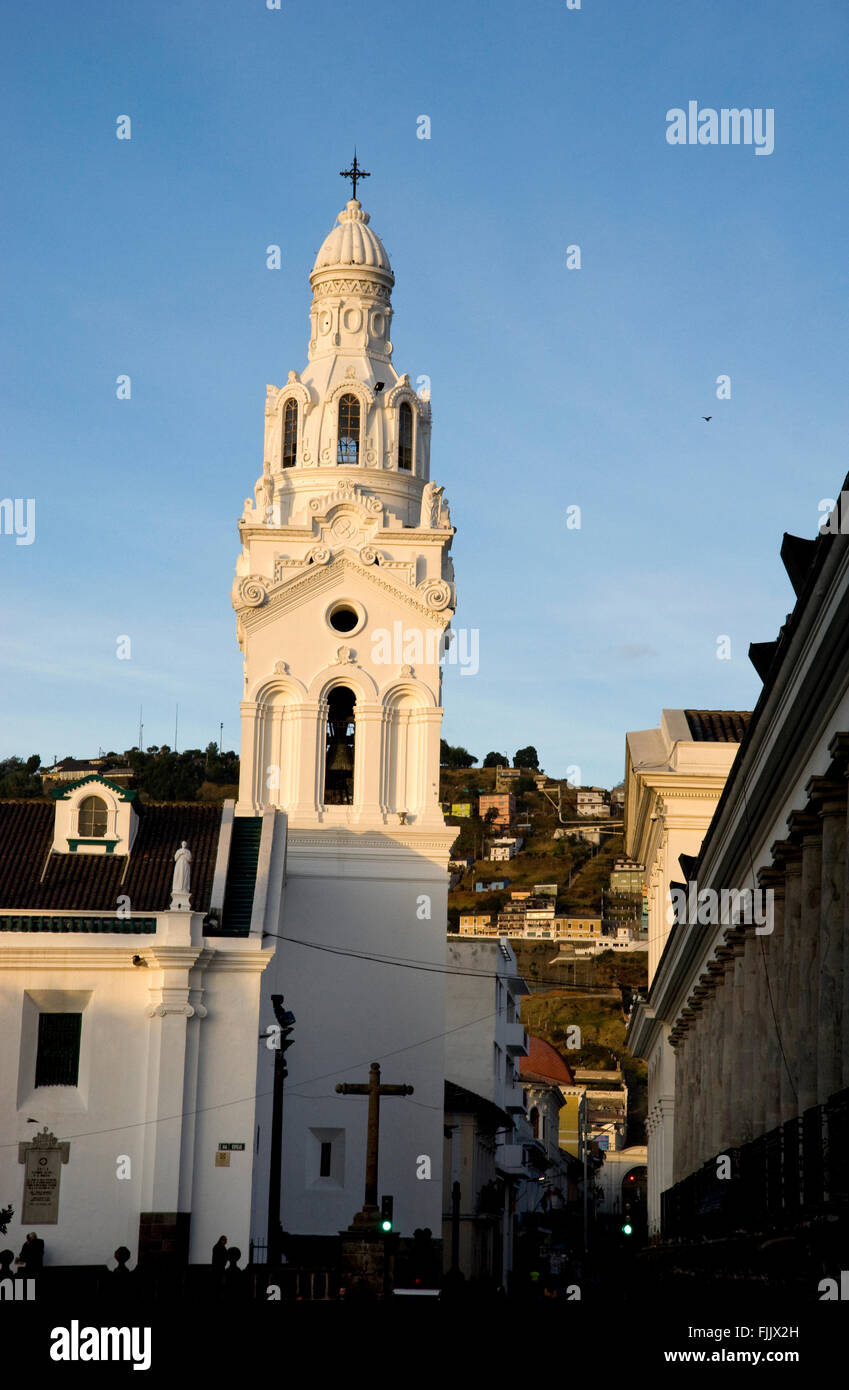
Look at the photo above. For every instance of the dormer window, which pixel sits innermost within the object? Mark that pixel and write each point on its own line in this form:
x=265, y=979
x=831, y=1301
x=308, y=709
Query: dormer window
x=93, y=818
x=405, y=436
x=290, y=434
x=348, y=450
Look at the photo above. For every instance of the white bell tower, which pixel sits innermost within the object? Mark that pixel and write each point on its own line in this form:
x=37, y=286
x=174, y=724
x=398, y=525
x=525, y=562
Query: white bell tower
x=344, y=592
x=345, y=581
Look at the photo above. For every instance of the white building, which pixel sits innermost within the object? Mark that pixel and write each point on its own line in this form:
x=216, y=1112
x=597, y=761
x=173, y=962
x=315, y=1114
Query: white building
x=343, y=594
x=593, y=801
x=753, y=983
x=484, y=1042
x=504, y=849
x=129, y=1033
x=674, y=776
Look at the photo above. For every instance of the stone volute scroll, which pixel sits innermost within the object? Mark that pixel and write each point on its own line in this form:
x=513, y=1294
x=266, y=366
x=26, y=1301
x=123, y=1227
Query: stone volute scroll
x=181, y=883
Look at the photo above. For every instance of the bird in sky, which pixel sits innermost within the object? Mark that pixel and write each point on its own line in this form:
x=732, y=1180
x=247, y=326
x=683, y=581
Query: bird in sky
x=707, y=417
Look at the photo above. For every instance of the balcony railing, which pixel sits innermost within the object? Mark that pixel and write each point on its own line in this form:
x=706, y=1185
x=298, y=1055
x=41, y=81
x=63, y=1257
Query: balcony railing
x=797, y=1171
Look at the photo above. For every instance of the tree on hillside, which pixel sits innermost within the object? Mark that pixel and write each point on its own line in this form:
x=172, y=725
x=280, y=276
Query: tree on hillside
x=455, y=757
x=19, y=778
x=527, y=757
x=496, y=760
x=164, y=775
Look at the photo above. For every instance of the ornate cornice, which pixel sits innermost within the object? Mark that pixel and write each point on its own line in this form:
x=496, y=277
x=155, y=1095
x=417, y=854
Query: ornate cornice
x=369, y=289
x=268, y=602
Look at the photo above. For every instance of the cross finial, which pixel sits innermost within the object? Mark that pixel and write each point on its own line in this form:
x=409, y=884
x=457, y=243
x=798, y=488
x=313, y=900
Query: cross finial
x=354, y=173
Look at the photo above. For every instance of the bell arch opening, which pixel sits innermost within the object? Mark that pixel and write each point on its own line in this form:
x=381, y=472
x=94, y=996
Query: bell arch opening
x=339, y=749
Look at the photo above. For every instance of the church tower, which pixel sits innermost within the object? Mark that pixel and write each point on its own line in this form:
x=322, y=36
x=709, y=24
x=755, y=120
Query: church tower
x=343, y=594
x=344, y=588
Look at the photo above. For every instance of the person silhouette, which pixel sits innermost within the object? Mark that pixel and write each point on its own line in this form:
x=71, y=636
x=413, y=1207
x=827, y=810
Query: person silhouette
x=32, y=1254
x=234, y=1278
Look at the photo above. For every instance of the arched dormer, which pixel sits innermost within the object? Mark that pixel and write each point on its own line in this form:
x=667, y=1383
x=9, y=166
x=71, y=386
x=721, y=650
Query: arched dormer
x=407, y=437
x=277, y=399
x=349, y=429
x=336, y=419
x=404, y=455
x=94, y=816
x=291, y=439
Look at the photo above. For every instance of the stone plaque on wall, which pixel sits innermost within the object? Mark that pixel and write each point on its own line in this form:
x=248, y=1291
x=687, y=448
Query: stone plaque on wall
x=42, y=1159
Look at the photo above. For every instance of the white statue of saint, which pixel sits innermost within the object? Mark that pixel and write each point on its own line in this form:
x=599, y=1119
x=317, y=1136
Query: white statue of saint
x=431, y=500
x=181, y=882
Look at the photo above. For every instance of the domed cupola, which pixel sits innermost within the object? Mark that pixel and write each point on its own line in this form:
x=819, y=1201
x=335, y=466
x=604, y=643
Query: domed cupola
x=352, y=245
x=352, y=281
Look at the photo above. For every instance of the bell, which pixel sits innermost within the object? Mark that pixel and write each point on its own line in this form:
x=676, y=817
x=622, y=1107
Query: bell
x=339, y=756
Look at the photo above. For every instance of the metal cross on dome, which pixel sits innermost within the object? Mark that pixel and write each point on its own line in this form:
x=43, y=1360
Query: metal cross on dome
x=354, y=173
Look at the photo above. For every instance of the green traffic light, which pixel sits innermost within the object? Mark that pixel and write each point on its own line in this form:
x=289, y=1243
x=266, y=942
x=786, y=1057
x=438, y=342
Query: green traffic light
x=627, y=1229
x=386, y=1225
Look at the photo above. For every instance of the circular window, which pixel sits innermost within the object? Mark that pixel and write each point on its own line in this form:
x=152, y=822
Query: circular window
x=345, y=617
x=344, y=620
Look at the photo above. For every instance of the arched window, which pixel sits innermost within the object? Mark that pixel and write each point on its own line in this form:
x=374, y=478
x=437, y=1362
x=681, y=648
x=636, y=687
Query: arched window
x=93, y=817
x=339, y=748
x=348, y=450
x=290, y=434
x=405, y=436
x=534, y=1119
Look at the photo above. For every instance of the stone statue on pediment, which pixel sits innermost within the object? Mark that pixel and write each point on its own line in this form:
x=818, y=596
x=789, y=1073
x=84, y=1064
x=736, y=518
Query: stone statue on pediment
x=181, y=882
x=431, y=506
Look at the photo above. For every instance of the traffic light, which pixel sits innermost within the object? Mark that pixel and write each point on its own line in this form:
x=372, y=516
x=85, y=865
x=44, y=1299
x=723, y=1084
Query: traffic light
x=386, y=1206
x=279, y=1034
x=627, y=1229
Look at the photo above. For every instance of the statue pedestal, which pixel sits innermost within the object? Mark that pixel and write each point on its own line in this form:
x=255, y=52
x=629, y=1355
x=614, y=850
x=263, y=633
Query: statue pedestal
x=367, y=1257
x=180, y=902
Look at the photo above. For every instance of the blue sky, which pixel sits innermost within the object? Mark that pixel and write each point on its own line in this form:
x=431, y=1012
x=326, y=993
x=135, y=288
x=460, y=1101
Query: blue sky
x=551, y=387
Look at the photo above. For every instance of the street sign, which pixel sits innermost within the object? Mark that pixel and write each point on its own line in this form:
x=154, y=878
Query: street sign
x=231, y=1148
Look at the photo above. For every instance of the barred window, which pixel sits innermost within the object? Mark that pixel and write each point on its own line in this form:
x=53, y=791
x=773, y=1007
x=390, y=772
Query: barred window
x=93, y=816
x=405, y=436
x=348, y=450
x=57, y=1061
x=290, y=434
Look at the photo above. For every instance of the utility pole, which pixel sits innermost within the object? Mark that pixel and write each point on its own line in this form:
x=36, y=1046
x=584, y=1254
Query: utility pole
x=277, y=1037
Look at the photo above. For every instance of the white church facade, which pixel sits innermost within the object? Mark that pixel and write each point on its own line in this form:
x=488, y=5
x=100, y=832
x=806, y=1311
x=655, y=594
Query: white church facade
x=345, y=547
x=135, y=996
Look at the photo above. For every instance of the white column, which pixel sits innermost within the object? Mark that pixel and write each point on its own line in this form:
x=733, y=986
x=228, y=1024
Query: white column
x=369, y=743
x=792, y=855
x=771, y=947
x=830, y=798
x=248, y=803
x=309, y=722
x=809, y=827
x=740, y=1062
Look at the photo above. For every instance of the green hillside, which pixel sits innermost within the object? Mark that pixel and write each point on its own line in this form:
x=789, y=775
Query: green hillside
x=593, y=993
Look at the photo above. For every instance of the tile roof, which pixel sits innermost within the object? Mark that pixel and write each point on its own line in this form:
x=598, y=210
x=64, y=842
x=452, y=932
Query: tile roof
x=545, y=1062
x=32, y=878
x=717, y=725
